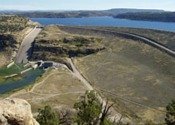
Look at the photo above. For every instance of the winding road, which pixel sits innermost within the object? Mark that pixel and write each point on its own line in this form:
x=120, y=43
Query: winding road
x=150, y=42
x=25, y=49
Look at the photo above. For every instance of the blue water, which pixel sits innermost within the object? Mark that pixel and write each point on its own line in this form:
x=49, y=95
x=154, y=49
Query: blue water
x=107, y=21
x=27, y=79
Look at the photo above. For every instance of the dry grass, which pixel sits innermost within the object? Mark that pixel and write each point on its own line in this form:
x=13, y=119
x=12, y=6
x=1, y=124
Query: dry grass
x=52, y=33
x=163, y=37
x=3, y=59
x=129, y=69
x=55, y=44
x=133, y=71
x=56, y=88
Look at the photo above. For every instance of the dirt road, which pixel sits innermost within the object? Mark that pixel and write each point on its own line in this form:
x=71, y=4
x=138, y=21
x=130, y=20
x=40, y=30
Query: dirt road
x=114, y=115
x=77, y=74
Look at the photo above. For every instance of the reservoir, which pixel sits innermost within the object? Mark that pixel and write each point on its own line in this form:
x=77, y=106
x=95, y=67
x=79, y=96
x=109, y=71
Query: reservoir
x=107, y=22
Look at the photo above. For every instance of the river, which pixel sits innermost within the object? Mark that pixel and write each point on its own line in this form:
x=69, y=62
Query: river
x=25, y=80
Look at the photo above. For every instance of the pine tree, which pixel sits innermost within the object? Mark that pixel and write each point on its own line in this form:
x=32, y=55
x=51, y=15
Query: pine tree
x=47, y=116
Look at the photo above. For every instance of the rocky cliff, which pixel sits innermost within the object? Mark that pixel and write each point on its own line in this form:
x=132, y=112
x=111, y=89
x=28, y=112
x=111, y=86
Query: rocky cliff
x=16, y=112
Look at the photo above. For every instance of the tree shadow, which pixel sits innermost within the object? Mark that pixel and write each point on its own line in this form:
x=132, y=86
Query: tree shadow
x=30, y=51
x=7, y=41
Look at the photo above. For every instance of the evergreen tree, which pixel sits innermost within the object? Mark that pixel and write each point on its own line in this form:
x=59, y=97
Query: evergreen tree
x=88, y=109
x=170, y=115
x=47, y=116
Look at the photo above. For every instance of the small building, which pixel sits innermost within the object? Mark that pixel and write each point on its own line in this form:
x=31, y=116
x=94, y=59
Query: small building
x=45, y=65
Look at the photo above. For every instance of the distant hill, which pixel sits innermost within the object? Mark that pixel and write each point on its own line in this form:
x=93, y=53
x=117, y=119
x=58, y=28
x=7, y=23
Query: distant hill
x=122, y=11
x=81, y=13
x=133, y=14
x=148, y=16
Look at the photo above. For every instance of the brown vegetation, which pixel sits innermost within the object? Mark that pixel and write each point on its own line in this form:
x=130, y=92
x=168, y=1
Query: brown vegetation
x=53, y=44
x=135, y=74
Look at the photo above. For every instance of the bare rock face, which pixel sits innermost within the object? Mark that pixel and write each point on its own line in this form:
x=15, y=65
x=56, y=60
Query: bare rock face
x=16, y=112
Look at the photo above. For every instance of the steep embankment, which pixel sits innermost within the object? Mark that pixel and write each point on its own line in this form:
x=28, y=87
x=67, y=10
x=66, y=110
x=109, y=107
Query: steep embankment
x=135, y=75
x=13, y=30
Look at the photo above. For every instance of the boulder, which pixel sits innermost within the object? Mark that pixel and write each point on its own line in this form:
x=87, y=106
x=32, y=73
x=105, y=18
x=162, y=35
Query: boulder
x=15, y=111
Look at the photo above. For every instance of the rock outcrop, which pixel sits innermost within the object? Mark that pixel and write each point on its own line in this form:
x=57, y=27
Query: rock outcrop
x=16, y=112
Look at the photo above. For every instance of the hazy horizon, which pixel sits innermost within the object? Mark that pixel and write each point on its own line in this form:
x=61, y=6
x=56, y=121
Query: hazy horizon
x=66, y=5
x=82, y=10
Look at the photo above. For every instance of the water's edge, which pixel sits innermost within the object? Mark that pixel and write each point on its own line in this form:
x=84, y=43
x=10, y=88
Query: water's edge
x=107, y=22
x=27, y=79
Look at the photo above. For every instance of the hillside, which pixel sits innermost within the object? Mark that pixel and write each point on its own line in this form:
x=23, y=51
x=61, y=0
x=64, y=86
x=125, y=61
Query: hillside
x=76, y=14
x=162, y=16
x=136, y=77
x=163, y=37
x=13, y=30
x=53, y=44
x=129, y=72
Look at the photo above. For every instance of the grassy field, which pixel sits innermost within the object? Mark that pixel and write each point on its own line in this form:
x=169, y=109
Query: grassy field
x=57, y=87
x=15, y=69
x=133, y=71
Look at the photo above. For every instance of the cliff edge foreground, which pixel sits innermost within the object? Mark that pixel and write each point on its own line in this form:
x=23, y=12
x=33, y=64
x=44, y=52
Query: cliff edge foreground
x=15, y=111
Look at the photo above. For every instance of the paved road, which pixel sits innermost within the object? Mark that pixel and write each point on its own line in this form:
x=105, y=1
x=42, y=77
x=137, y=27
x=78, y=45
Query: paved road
x=25, y=49
x=152, y=43
x=143, y=39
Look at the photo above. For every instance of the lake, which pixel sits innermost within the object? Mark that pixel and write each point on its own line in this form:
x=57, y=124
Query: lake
x=106, y=21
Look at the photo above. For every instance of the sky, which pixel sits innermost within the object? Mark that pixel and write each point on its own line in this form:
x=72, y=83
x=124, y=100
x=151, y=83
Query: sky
x=85, y=4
